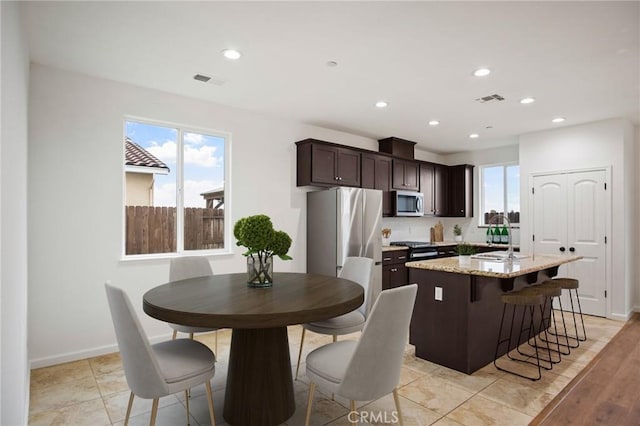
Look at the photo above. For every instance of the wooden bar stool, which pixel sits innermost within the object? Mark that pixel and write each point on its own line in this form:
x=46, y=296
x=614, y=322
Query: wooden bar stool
x=570, y=284
x=546, y=322
x=527, y=301
x=551, y=318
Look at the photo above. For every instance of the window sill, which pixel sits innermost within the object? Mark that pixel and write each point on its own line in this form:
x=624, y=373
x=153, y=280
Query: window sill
x=161, y=256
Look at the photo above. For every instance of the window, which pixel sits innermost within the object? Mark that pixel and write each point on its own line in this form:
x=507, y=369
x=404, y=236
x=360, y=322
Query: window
x=499, y=193
x=176, y=182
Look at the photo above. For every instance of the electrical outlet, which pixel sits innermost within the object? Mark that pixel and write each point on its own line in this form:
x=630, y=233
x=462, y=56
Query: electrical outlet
x=438, y=295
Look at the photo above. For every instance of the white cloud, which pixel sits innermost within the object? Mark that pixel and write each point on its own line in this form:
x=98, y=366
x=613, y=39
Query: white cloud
x=166, y=152
x=193, y=138
x=164, y=195
x=193, y=189
x=202, y=156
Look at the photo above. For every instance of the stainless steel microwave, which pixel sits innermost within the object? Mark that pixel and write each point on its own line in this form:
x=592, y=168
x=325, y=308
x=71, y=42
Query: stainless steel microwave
x=408, y=203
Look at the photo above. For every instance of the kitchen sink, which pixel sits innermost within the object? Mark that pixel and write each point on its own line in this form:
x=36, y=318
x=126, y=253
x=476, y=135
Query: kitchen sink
x=498, y=257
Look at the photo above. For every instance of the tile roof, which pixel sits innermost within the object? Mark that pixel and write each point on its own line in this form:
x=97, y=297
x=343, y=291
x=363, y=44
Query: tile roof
x=135, y=155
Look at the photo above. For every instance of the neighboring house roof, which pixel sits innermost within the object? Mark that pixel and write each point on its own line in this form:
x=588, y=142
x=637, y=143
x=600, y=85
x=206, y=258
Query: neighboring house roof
x=214, y=194
x=137, y=156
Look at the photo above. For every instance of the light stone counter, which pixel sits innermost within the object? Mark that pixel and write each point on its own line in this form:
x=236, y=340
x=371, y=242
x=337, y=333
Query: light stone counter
x=492, y=268
x=453, y=243
x=394, y=248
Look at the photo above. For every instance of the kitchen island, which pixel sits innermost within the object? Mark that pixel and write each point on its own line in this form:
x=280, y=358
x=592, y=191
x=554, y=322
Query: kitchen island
x=457, y=313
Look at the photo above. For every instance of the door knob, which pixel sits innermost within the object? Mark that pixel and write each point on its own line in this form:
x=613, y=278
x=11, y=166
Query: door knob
x=572, y=249
x=562, y=249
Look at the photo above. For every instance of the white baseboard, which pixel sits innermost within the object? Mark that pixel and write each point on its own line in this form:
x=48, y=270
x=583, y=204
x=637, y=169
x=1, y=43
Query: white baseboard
x=621, y=317
x=86, y=353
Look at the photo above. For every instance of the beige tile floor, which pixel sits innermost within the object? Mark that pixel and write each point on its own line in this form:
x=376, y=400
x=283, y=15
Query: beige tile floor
x=94, y=391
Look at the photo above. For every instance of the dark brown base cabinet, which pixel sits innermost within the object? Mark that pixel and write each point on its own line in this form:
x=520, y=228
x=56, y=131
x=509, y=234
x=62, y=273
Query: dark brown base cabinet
x=461, y=330
x=394, y=273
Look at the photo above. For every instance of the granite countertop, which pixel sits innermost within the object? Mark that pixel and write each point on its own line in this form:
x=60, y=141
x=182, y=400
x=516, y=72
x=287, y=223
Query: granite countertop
x=453, y=243
x=394, y=248
x=492, y=268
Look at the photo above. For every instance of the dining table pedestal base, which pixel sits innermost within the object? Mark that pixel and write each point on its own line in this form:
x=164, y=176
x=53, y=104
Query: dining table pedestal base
x=259, y=381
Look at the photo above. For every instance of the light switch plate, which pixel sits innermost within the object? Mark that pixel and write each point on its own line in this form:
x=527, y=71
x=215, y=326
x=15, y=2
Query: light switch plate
x=438, y=295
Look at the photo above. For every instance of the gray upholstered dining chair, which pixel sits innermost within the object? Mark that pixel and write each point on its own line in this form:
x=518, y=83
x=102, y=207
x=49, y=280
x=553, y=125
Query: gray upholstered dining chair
x=369, y=368
x=182, y=268
x=359, y=270
x=165, y=368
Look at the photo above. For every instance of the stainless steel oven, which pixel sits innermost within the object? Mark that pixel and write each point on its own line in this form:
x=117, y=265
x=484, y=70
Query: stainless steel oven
x=418, y=250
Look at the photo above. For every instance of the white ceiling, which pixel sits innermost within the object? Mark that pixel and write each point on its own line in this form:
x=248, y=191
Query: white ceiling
x=578, y=59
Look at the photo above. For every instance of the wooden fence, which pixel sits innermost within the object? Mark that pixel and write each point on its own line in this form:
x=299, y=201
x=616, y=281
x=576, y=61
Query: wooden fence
x=514, y=217
x=153, y=229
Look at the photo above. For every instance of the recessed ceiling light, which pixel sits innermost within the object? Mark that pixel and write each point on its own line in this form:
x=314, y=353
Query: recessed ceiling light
x=527, y=100
x=231, y=54
x=482, y=72
x=474, y=136
x=332, y=64
x=558, y=120
x=434, y=123
x=381, y=104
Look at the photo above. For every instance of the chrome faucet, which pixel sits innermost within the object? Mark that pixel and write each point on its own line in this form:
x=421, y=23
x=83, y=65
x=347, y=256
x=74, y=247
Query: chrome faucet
x=510, y=255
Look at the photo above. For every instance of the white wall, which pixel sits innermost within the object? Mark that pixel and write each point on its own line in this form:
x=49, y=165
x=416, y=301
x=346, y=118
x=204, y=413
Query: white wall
x=14, y=366
x=599, y=144
x=76, y=148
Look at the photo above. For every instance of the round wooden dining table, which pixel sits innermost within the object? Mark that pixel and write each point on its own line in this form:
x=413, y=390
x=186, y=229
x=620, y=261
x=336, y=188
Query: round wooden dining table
x=259, y=382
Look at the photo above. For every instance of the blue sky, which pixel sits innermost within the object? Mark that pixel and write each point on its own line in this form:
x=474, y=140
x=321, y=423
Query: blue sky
x=203, y=161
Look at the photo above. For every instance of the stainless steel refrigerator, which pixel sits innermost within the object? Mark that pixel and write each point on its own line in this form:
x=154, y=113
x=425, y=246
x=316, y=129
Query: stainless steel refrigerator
x=344, y=222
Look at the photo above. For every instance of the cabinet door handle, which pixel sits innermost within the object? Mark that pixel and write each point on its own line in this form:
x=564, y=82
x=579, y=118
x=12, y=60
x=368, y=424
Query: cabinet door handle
x=402, y=257
x=394, y=270
x=562, y=249
x=386, y=258
x=572, y=249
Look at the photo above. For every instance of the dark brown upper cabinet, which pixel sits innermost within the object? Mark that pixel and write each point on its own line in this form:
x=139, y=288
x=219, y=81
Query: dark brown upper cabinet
x=326, y=164
x=405, y=175
x=461, y=191
x=448, y=190
x=441, y=190
x=427, y=187
x=376, y=174
x=399, y=148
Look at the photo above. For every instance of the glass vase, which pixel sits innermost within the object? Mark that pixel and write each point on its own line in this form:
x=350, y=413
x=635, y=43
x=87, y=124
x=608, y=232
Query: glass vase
x=259, y=271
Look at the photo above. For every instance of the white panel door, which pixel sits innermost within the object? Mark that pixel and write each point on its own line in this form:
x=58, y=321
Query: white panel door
x=550, y=214
x=569, y=214
x=586, y=212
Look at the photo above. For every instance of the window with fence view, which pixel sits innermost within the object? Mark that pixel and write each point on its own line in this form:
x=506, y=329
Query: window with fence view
x=499, y=194
x=174, y=189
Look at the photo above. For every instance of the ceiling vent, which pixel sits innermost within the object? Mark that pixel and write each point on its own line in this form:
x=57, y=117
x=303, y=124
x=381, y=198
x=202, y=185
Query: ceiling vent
x=489, y=98
x=207, y=79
